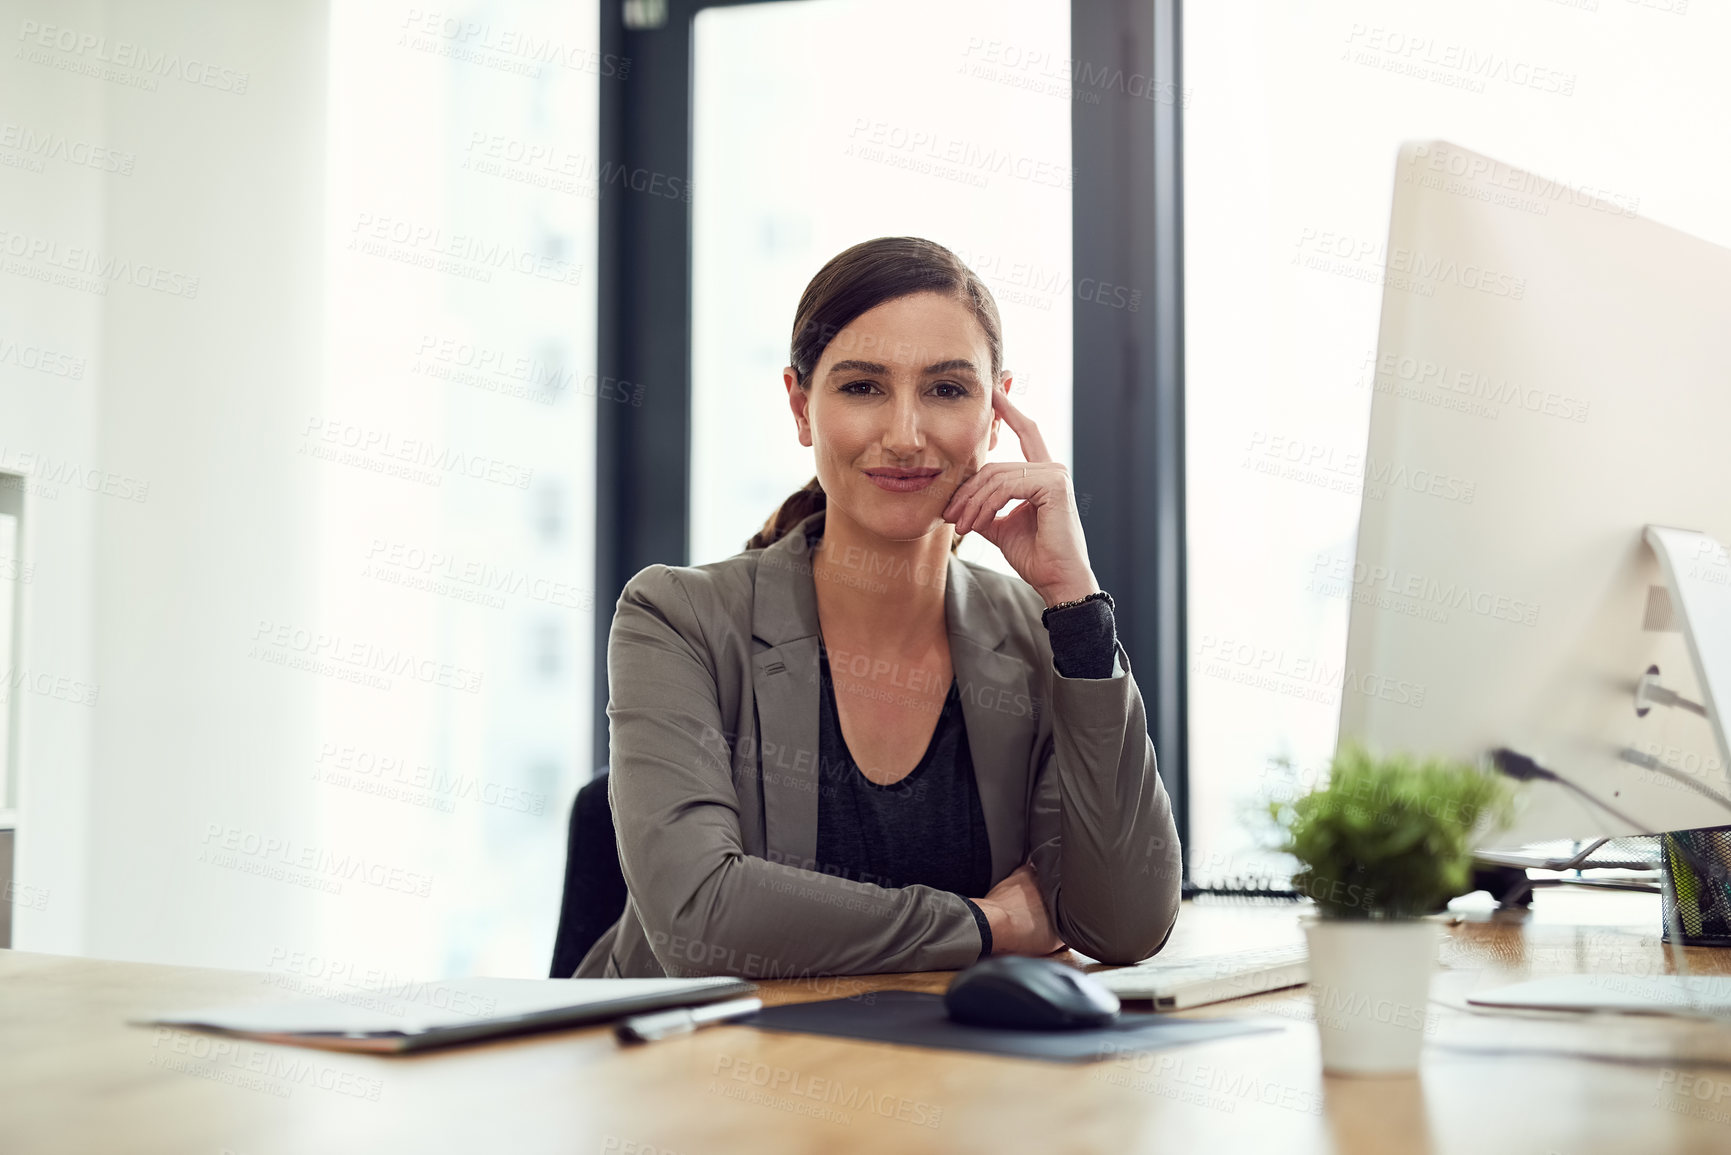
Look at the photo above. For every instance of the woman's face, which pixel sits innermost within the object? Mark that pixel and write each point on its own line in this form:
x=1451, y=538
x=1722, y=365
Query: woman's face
x=899, y=412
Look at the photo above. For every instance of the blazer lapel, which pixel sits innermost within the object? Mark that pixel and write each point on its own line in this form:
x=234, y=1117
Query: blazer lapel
x=784, y=681
x=1000, y=707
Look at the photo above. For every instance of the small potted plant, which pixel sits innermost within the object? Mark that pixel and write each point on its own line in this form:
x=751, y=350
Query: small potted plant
x=1382, y=843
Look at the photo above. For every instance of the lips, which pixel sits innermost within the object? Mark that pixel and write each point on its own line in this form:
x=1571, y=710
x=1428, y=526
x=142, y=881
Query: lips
x=903, y=480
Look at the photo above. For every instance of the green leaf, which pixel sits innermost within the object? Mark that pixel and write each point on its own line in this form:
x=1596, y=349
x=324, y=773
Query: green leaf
x=1389, y=837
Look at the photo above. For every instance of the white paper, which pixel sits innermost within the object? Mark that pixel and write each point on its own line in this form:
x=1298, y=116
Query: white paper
x=446, y=1003
x=1635, y=994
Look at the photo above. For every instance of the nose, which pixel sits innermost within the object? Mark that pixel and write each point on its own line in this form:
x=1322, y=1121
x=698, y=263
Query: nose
x=903, y=436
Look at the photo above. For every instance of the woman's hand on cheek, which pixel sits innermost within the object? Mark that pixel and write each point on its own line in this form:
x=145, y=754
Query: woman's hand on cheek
x=1041, y=538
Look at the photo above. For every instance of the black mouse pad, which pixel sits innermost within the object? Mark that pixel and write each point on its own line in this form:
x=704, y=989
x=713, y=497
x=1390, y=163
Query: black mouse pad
x=917, y=1019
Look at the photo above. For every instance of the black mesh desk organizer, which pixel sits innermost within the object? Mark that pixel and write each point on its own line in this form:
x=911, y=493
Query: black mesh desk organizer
x=1697, y=864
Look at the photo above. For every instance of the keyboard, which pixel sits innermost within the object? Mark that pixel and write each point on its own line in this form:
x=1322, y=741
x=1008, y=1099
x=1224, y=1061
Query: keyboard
x=1178, y=984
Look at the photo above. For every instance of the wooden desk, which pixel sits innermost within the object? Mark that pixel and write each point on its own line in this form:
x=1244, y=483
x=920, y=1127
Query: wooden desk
x=73, y=1078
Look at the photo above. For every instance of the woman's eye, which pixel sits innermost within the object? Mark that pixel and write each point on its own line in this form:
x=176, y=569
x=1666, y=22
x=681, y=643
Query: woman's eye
x=862, y=387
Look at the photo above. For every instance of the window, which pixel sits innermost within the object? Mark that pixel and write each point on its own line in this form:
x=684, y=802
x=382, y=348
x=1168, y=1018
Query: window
x=1291, y=128
x=821, y=124
x=456, y=463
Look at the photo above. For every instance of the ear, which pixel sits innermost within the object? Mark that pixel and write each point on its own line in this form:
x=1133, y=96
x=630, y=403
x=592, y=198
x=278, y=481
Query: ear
x=799, y=400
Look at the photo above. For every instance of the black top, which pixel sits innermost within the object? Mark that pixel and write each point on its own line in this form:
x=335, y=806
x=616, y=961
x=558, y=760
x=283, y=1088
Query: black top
x=928, y=828
x=924, y=828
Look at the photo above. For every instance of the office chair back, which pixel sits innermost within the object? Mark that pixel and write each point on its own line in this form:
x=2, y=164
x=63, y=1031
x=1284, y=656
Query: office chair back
x=594, y=885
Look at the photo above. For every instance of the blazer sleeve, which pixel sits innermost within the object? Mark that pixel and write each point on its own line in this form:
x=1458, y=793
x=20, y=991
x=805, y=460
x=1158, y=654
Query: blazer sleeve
x=707, y=906
x=1104, y=844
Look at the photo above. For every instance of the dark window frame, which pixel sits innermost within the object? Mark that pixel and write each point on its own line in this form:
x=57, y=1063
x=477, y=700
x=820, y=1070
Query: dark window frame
x=1127, y=222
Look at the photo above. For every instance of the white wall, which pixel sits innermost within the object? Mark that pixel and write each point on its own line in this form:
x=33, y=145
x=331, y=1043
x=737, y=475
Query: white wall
x=194, y=394
x=156, y=524
x=212, y=804
x=51, y=206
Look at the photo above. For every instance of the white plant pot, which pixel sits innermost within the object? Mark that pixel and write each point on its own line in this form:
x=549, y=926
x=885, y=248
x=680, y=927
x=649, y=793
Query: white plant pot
x=1370, y=983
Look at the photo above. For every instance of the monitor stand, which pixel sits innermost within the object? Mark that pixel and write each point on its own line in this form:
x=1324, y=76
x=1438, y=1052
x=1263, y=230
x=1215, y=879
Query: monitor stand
x=1697, y=574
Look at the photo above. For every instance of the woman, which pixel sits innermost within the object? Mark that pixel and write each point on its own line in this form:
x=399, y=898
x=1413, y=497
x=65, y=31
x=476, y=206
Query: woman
x=846, y=750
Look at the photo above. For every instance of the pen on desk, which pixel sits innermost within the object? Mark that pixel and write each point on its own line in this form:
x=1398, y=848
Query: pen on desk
x=660, y=1024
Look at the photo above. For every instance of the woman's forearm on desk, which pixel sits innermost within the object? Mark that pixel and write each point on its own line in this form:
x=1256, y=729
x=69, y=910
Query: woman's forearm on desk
x=1105, y=846
x=760, y=919
x=1017, y=917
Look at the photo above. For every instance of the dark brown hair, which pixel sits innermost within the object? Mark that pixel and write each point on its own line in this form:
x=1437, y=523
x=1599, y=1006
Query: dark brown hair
x=856, y=281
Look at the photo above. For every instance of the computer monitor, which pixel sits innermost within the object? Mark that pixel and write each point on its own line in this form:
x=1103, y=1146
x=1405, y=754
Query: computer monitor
x=1552, y=377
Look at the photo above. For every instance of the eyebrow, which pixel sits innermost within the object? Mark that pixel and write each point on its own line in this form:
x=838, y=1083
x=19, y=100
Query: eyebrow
x=953, y=365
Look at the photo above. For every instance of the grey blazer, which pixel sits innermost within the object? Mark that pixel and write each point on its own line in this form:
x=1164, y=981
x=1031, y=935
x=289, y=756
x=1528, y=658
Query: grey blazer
x=713, y=685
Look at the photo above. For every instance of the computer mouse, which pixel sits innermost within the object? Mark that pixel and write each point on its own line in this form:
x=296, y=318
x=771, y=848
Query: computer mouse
x=1029, y=994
